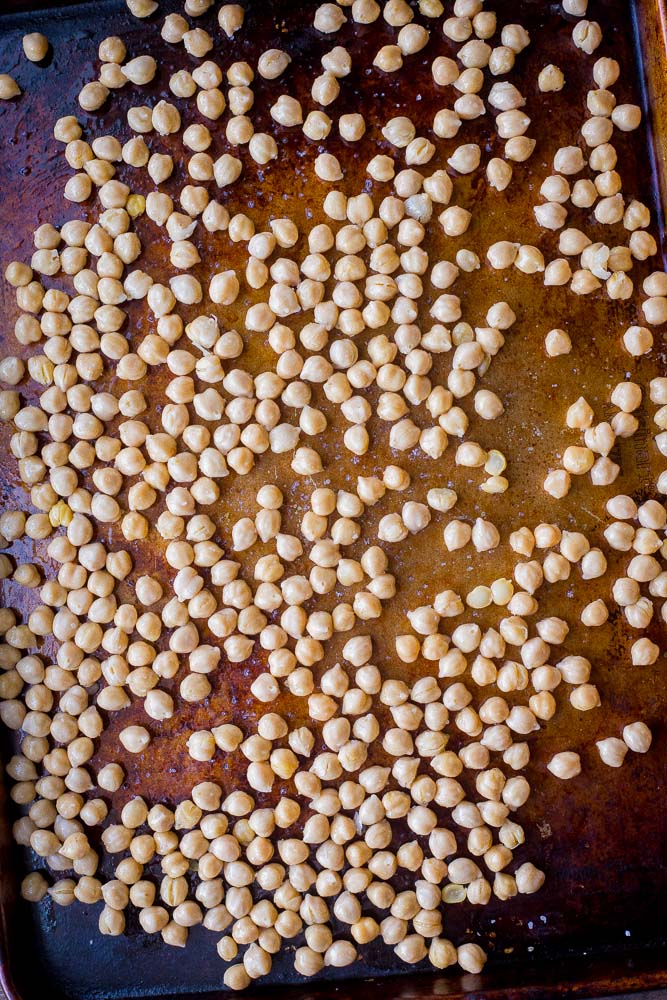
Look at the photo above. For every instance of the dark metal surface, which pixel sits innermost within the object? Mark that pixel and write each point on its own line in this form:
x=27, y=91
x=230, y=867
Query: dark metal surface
x=600, y=923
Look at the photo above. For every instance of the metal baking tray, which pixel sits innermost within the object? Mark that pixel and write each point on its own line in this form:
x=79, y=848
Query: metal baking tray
x=599, y=926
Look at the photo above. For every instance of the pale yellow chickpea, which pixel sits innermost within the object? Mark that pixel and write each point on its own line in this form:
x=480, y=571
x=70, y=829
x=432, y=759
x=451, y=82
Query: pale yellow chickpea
x=637, y=736
x=262, y=147
x=9, y=88
x=551, y=79
x=35, y=46
x=612, y=751
x=135, y=739
x=142, y=8
x=499, y=173
x=587, y=36
x=565, y=765
x=388, y=59
x=230, y=18
x=351, y=127
x=273, y=63
x=287, y=111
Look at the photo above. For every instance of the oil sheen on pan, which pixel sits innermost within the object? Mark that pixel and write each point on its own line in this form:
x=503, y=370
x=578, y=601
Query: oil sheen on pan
x=334, y=415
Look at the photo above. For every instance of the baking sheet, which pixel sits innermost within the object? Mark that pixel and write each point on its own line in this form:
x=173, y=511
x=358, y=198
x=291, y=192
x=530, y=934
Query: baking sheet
x=601, y=920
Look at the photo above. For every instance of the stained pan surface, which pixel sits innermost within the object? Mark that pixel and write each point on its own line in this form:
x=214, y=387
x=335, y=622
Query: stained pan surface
x=600, y=922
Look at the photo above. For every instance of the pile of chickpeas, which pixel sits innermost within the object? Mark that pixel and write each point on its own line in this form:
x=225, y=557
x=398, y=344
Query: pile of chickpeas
x=339, y=308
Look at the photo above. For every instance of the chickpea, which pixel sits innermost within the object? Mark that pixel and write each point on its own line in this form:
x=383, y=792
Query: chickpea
x=230, y=18
x=637, y=737
x=565, y=765
x=135, y=738
x=262, y=147
x=551, y=79
x=612, y=751
x=34, y=887
x=388, y=59
x=9, y=88
x=587, y=36
x=499, y=173
x=529, y=879
x=35, y=46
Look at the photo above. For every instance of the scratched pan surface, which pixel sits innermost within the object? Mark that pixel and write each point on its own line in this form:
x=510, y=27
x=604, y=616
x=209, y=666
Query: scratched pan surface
x=600, y=923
